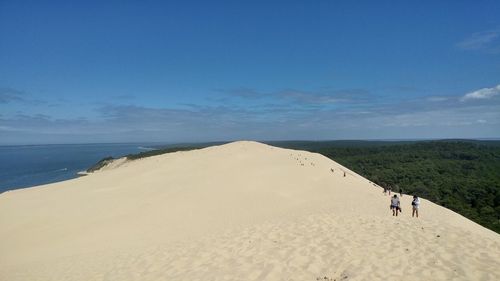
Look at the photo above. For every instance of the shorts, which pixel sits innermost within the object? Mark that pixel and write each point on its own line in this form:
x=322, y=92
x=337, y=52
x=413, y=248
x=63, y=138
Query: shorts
x=394, y=207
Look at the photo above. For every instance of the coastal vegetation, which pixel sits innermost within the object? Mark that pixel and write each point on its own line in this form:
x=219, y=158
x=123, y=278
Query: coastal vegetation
x=103, y=162
x=160, y=151
x=153, y=152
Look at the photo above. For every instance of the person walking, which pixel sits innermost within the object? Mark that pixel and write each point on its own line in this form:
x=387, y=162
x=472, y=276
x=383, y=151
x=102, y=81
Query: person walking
x=415, y=204
x=395, y=205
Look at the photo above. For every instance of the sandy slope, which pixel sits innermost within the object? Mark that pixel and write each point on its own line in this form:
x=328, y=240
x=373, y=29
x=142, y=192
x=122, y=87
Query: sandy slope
x=241, y=211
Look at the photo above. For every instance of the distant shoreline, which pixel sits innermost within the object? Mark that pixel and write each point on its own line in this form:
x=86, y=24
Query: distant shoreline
x=143, y=149
x=263, y=141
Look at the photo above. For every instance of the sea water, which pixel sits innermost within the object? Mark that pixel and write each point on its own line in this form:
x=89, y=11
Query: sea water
x=30, y=165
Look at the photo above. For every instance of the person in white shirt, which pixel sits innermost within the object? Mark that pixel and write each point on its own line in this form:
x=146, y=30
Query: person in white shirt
x=416, y=204
x=395, y=205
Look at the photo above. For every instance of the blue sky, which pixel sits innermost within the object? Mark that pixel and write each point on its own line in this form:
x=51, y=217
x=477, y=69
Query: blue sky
x=166, y=71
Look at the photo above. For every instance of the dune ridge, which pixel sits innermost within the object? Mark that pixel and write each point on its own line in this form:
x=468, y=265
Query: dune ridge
x=240, y=211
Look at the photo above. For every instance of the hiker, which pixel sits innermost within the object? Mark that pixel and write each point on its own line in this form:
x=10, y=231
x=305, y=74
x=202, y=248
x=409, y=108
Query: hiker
x=389, y=189
x=416, y=204
x=395, y=205
x=344, y=174
x=385, y=190
x=400, y=192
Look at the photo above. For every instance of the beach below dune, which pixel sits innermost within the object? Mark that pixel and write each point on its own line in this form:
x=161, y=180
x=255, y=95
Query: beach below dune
x=241, y=211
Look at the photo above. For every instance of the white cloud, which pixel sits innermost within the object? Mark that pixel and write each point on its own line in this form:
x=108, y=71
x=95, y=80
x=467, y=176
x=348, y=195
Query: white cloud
x=479, y=40
x=485, y=93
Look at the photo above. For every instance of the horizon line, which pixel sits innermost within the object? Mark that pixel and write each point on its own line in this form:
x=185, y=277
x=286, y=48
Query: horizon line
x=263, y=141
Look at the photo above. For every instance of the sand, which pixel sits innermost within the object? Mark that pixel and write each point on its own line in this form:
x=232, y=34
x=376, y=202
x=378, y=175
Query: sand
x=240, y=211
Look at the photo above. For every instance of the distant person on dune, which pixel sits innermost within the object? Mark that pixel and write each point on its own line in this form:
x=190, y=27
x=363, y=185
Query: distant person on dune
x=416, y=204
x=395, y=205
x=385, y=190
x=400, y=192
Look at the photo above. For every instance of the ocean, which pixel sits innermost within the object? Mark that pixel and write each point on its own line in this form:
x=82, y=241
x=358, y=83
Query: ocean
x=30, y=165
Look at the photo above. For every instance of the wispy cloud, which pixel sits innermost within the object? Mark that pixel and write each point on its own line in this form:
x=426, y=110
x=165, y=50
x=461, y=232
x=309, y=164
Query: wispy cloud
x=438, y=98
x=11, y=95
x=8, y=95
x=482, y=94
x=321, y=97
x=487, y=41
x=290, y=95
x=243, y=92
x=289, y=114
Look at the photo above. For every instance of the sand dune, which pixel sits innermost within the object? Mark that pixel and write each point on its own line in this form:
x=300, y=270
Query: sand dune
x=240, y=211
